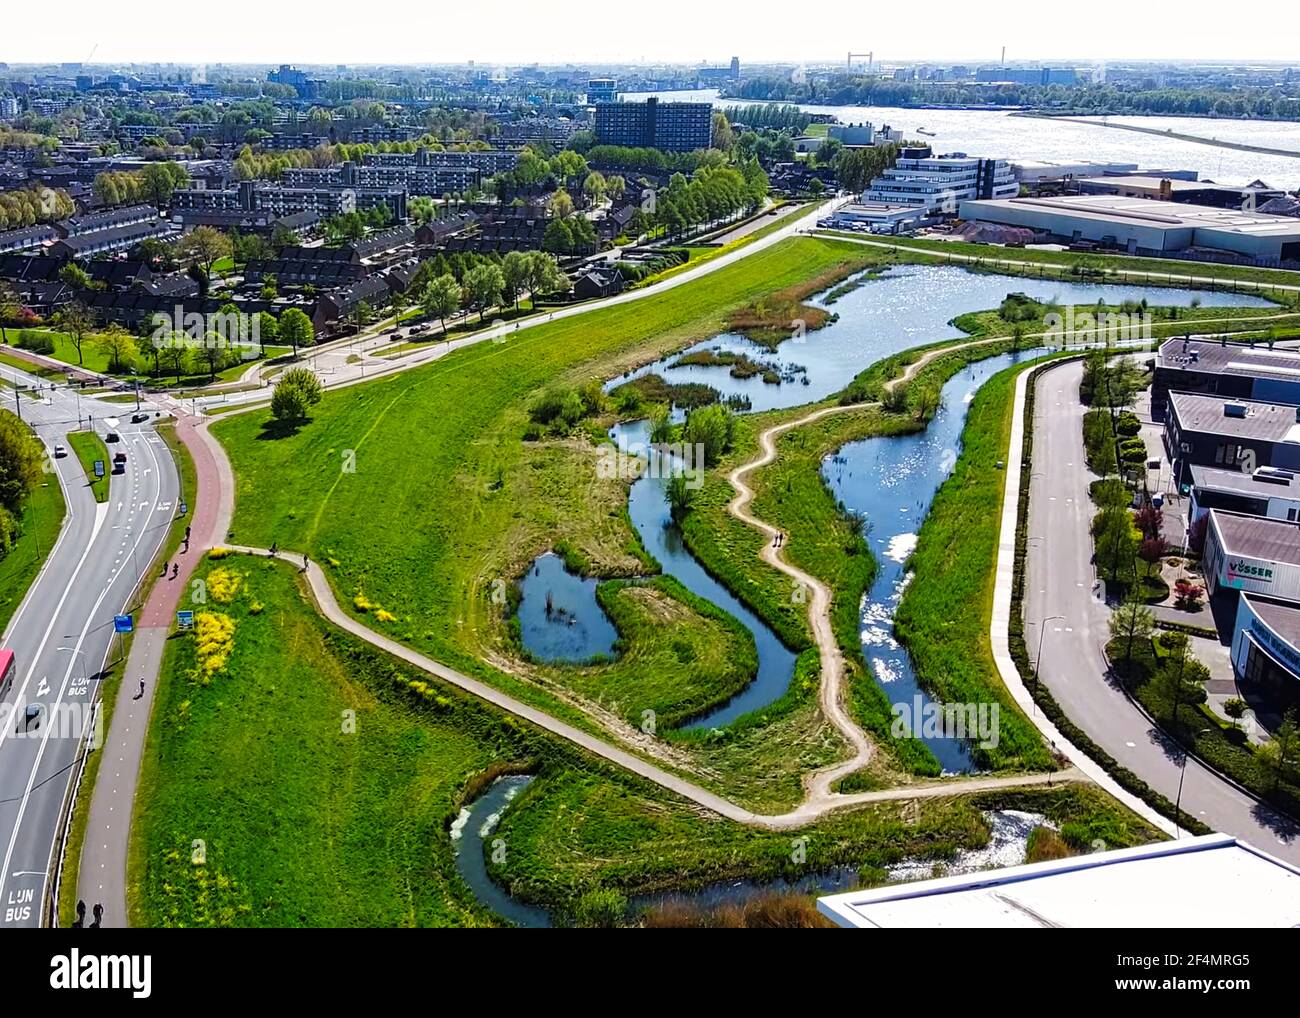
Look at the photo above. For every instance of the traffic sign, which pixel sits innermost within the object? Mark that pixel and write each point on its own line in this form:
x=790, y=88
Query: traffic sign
x=99, y=468
x=185, y=620
x=123, y=624
x=184, y=508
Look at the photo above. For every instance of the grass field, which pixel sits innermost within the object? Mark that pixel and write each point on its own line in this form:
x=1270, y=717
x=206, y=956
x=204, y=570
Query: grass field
x=88, y=448
x=264, y=802
x=443, y=479
x=319, y=792
x=42, y=519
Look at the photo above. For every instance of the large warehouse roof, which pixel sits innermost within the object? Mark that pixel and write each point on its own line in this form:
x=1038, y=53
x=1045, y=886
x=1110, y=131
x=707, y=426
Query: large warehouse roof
x=1129, y=888
x=1257, y=537
x=1149, y=224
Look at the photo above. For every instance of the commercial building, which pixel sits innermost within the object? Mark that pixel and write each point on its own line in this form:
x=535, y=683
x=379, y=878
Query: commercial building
x=1126, y=888
x=941, y=184
x=1190, y=192
x=1266, y=650
x=1251, y=554
x=1265, y=491
x=602, y=90
x=1143, y=227
x=1236, y=434
x=672, y=127
x=1230, y=370
x=877, y=217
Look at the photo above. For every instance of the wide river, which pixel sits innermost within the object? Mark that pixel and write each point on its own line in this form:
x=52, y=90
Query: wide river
x=999, y=134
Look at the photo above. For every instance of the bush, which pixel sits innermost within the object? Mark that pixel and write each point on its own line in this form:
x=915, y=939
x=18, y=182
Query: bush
x=36, y=341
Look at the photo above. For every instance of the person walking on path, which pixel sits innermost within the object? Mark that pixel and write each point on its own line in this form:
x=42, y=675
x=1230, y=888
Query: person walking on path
x=141, y=693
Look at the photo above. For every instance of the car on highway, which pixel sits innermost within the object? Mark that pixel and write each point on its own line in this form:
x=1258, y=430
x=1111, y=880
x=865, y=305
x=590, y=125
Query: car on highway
x=60, y=451
x=119, y=462
x=112, y=436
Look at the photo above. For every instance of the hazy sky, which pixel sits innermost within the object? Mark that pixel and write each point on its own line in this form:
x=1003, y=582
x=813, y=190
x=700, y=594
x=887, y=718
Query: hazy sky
x=685, y=31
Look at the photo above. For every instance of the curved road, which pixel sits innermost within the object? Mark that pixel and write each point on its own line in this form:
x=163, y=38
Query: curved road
x=1059, y=580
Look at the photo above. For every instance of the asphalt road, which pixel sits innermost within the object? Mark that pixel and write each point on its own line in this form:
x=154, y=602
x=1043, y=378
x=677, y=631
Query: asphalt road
x=1059, y=581
x=62, y=633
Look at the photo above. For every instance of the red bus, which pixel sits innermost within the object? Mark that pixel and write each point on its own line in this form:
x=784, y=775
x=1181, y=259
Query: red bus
x=7, y=670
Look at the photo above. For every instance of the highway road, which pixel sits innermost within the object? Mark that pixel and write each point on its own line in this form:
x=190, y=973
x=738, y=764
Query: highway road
x=62, y=633
x=1059, y=581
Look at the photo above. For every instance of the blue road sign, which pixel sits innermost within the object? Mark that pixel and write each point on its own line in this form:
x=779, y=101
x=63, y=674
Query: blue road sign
x=185, y=620
x=184, y=508
x=99, y=468
x=123, y=624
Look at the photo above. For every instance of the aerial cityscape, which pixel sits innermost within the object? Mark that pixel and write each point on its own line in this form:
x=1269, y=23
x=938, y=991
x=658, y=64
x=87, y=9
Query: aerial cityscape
x=599, y=486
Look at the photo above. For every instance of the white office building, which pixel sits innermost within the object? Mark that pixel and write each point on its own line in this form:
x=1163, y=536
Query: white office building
x=941, y=183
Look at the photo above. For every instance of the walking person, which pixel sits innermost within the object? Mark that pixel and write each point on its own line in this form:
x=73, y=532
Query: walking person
x=304, y=561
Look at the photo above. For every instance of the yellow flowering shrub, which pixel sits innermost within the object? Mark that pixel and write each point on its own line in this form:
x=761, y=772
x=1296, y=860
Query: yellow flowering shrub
x=224, y=584
x=214, y=636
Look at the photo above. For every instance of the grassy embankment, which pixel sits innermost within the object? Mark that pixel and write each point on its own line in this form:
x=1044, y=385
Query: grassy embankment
x=443, y=479
x=88, y=448
x=39, y=527
x=369, y=770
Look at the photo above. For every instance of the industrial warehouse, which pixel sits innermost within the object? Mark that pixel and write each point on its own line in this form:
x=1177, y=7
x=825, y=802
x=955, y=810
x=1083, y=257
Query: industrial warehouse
x=1140, y=226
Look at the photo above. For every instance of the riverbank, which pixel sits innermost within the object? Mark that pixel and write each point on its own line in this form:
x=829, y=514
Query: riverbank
x=1167, y=133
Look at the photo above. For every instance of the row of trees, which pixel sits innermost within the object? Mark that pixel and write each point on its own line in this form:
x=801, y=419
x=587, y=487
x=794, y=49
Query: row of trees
x=21, y=463
x=712, y=194
x=486, y=284
x=29, y=206
x=156, y=183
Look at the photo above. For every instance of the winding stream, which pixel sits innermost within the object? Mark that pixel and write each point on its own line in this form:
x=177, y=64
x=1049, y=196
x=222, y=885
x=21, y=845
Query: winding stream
x=886, y=481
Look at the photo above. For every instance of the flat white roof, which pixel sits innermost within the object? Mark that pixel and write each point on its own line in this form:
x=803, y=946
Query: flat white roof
x=1129, y=888
x=1146, y=212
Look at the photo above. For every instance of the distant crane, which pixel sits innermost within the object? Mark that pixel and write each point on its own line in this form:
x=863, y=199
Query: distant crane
x=848, y=64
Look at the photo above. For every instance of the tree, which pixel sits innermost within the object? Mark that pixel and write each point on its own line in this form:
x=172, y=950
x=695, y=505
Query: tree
x=1283, y=749
x=557, y=238
x=206, y=246
x=120, y=347
x=594, y=187
x=681, y=495
x=1235, y=707
x=77, y=321
x=297, y=391
x=9, y=308
x=712, y=428
x=296, y=330
x=1179, y=677
x=175, y=356
x=22, y=460
x=515, y=270
x=75, y=276
x=441, y=297
x=1130, y=622
x=1151, y=551
x=544, y=275
x=561, y=204
x=362, y=315
x=483, y=287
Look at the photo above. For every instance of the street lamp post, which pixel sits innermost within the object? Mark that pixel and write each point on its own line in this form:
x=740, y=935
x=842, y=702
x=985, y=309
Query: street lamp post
x=1182, y=772
x=1042, y=631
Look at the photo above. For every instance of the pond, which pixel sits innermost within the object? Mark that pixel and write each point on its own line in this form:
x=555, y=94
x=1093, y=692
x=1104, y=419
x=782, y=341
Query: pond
x=559, y=617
